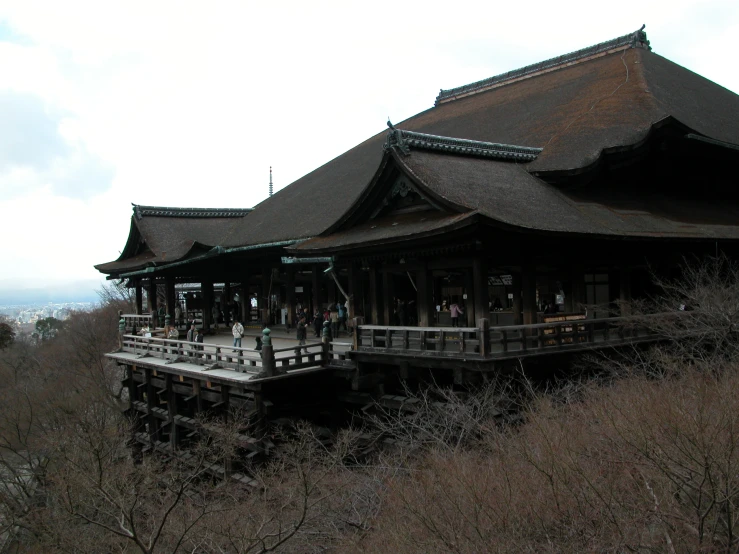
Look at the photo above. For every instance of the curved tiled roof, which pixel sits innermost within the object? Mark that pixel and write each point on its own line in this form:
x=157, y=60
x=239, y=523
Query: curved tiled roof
x=573, y=114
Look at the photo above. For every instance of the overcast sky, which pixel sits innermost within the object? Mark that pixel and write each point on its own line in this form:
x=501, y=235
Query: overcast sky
x=188, y=103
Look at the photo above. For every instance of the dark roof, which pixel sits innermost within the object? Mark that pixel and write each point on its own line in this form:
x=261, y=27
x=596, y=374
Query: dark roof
x=162, y=235
x=573, y=112
x=386, y=230
x=637, y=39
x=574, y=108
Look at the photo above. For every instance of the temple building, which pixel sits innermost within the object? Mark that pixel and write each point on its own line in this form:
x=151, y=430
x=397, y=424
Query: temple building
x=560, y=186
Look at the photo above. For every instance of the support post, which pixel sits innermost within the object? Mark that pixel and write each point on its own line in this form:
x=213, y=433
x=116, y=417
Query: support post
x=174, y=432
x=484, y=325
x=374, y=284
x=355, y=290
x=480, y=282
x=139, y=298
x=207, y=287
x=245, y=299
x=290, y=295
x=469, y=302
x=264, y=295
x=389, y=297
x=316, y=288
x=625, y=290
x=170, y=292
x=152, y=300
x=517, y=298
x=528, y=286
x=425, y=299
x=226, y=302
x=577, y=286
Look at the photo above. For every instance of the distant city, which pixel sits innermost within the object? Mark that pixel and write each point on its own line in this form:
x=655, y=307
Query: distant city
x=25, y=316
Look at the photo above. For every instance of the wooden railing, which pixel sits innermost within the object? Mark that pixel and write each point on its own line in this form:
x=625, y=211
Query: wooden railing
x=434, y=341
x=484, y=341
x=134, y=322
x=219, y=356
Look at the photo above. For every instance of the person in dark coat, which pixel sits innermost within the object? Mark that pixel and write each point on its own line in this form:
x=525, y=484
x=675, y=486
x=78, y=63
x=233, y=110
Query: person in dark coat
x=317, y=323
x=302, y=332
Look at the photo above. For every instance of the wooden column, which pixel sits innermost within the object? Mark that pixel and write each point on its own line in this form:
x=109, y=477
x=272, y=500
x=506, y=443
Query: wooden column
x=290, y=295
x=625, y=289
x=517, y=298
x=171, y=301
x=245, y=299
x=424, y=297
x=577, y=287
x=226, y=301
x=469, y=306
x=264, y=295
x=174, y=432
x=388, y=303
x=355, y=290
x=152, y=300
x=316, y=288
x=207, y=287
x=151, y=418
x=139, y=298
x=481, y=297
x=528, y=288
x=375, y=296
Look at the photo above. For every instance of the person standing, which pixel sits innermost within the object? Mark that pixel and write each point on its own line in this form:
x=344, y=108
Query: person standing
x=177, y=314
x=191, y=334
x=342, y=316
x=238, y=333
x=199, y=339
x=334, y=323
x=455, y=311
x=301, y=336
x=317, y=323
x=121, y=329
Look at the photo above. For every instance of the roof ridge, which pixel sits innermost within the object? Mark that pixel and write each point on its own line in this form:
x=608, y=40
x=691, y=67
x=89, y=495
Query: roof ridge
x=637, y=39
x=164, y=211
x=405, y=140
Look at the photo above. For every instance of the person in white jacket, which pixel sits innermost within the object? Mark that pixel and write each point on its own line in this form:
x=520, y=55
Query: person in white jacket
x=238, y=332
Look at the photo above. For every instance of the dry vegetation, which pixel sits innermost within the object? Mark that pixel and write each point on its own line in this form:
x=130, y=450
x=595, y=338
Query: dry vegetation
x=642, y=456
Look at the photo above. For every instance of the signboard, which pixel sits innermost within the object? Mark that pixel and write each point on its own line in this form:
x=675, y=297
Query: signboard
x=500, y=280
x=298, y=289
x=566, y=332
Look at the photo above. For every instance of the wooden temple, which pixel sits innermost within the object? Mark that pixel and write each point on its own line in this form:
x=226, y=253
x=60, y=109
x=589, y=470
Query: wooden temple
x=559, y=187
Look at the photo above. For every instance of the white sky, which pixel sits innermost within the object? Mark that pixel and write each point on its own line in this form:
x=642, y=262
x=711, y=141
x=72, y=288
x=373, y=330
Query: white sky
x=188, y=103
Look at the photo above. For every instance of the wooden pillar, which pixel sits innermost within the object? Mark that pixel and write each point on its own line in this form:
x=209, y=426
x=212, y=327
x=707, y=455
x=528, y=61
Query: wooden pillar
x=226, y=301
x=528, y=288
x=625, y=290
x=424, y=297
x=264, y=295
x=517, y=298
x=355, y=290
x=316, y=288
x=170, y=292
x=152, y=300
x=469, y=305
x=290, y=295
x=388, y=303
x=139, y=298
x=174, y=432
x=375, y=296
x=245, y=299
x=481, y=299
x=151, y=418
x=577, y=288
x=207, y=287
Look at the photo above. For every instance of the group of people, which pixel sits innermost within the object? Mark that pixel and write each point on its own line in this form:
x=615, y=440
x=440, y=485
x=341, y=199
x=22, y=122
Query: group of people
x=336, y=314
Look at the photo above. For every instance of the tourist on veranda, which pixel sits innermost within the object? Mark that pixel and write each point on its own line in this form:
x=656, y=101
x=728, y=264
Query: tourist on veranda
x=455, y=311
x=301, y=336
x=318, y=323
x=191, y=334
x=342, y=316
x=199, y=338
x=238, y=333
x=177, y=314
x=334, y=323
